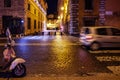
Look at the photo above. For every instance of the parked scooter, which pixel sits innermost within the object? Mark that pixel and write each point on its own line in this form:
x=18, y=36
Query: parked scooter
x=15, y=65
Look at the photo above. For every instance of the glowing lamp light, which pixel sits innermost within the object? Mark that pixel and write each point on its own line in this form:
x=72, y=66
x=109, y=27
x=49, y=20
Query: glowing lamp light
x=22, y=21
x=62, y=8
x=58, y=17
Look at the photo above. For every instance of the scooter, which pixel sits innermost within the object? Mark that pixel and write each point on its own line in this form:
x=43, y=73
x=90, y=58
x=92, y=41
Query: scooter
x=16, y=67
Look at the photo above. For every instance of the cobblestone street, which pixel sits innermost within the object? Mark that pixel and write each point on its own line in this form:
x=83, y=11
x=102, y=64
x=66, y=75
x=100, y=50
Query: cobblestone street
x=58, y=62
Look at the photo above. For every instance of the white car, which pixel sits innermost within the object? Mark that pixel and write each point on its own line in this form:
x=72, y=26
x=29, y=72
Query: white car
x=100, y=36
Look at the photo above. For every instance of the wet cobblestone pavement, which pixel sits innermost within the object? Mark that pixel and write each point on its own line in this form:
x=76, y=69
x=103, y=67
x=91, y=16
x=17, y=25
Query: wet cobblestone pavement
x=62, y=58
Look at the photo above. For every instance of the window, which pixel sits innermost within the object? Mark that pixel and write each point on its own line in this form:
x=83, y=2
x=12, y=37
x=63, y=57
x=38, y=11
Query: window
x=115, y=32
x=75, y=1
x=88, y=4
x=41, y=25
x=87, y=21
x=28, y=23
x=34, y=11
x=35, y=24
x=28, y=6
x=38, y=24
x=7, y=3
x=87, y=31
x=102, y=31
x=6, y=21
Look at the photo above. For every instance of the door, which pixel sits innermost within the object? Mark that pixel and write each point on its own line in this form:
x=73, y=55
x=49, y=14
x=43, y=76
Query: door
x=103, y=37
x=6, y=22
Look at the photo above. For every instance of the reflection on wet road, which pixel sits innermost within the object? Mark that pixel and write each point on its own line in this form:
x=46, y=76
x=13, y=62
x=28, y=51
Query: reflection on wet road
x=63, y=56
x=58, y=55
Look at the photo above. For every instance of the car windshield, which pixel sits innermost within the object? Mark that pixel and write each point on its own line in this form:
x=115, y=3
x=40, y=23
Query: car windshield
x=85, y=31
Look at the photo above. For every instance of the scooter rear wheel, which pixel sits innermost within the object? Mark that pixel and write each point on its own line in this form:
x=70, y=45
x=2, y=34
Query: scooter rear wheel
x=19, y=71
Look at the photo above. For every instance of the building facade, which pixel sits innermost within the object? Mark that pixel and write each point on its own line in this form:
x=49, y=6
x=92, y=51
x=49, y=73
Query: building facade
x=63, y=15
x=88, y=12
x=112, y=13
x=81, y=13
x=23, y=16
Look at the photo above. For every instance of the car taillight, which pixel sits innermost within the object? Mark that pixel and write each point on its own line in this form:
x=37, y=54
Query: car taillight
x=89, y=37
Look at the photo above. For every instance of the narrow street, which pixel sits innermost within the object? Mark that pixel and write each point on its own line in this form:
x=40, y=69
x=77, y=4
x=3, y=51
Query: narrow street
x=50, y=38
x=58, y=56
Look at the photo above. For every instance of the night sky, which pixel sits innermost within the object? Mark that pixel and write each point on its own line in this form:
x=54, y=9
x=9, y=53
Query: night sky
x=52, y=6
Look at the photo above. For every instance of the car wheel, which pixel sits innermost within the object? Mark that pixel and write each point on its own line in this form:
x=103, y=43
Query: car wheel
x=95, y=46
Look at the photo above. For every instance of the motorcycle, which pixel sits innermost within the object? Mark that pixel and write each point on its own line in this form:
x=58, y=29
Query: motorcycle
x=16, y=65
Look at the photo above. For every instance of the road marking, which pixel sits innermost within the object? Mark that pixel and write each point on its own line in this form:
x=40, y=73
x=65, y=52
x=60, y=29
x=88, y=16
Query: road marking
x=105, y=51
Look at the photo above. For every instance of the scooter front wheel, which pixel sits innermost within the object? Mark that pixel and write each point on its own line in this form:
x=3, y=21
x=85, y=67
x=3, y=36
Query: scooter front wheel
x=19, y=71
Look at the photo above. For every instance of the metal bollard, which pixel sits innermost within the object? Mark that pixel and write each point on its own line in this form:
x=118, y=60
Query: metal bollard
x=48, y=33
x=42, y=33
x=55, y=33
x=61, y=33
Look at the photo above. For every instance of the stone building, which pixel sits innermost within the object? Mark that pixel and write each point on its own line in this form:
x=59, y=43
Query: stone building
x=63, y=15
x=81, y=13
x=23, y=16
x=78, y=13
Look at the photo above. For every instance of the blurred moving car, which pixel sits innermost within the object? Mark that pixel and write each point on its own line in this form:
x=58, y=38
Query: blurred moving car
x=100, y=36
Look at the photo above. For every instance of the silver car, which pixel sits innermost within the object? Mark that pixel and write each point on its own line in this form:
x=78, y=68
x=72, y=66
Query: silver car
x=100, y=36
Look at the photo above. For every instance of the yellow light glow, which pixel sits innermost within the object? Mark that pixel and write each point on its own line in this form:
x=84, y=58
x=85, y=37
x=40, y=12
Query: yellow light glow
x=58, y=17
x=61, y=16
x=62, y=8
